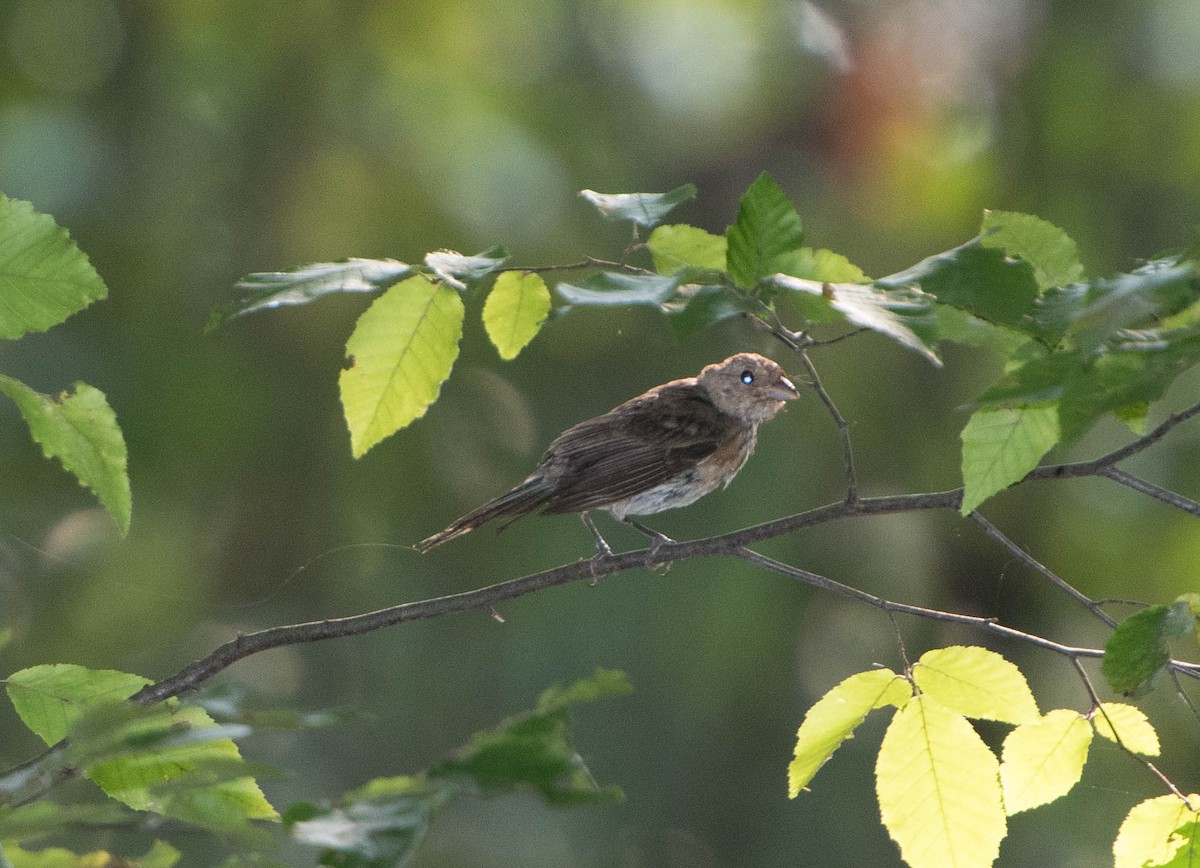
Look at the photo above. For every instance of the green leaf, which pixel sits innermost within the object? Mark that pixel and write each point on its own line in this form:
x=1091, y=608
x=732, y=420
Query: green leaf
x=161, y=855
x=458, y=270
x=1043, y=759
x=766, y=228
x=1137, y=650
x=1188, y=854
x=975, y=682
x=50, y=698
x=44, y=819
x=1148, y=835
x=607, y=288
x=835, y=716
x=645, y=209
x=683, y=246
x=1113, y=719
x=823, y=266
x=401, y=352
x=80, y=430
x=939, y=789
x=380, y=825
x=514, y=311
x=980, y=280
x=1134, y=417
x=697, y=307
x=307, y=283
x=904, y=315
x=44, y=277
x=1001, y=446
x=534, y=750
x=1140, y=299
x=1051, y=252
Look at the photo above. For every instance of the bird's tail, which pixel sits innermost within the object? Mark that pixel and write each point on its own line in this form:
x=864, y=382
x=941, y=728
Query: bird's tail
x=522, y=500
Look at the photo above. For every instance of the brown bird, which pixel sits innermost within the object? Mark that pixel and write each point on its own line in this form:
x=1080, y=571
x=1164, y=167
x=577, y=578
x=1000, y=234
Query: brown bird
x=665, y=448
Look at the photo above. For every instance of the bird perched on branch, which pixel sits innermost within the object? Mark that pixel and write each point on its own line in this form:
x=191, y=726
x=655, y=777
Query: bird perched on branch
x=663, y=449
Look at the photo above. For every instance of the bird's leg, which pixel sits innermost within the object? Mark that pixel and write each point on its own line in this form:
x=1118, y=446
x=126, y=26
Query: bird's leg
x=602, y=549
x=657, y=540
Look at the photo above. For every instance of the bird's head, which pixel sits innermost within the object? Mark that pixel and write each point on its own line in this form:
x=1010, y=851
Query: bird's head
x=748, y=386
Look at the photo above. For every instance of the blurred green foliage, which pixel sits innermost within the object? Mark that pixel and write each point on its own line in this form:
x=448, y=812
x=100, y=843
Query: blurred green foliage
x=186, y=144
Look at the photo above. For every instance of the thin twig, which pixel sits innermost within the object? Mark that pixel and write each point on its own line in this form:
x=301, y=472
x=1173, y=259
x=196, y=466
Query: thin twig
x=583, y=265
x=1033, y=564
x=840, y=422
x=1151, y=490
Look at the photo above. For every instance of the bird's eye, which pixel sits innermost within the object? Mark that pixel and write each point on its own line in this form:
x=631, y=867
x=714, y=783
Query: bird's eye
x=747, y=377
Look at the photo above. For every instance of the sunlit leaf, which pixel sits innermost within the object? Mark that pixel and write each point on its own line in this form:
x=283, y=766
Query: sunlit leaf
x=835, y=716
x=939, y=789
x=904, y=315
x=980, y=280
x=1043, y=759
x=823, y=266
x=682, y=246
x=44, y=277
x=307, y=283
x=80, y=429
x=1134, y=417
x=514, y=311
x=1051, y=252
x=458, y=269
x=975, y=682
x=1137, y=650
x=161, y=855
x=1148, y=834
x=766, y=228
x=1001, y=446
x=401, y=352
x=609, y=288
x=1113, y=719
x=645, y=209
x=51, y=697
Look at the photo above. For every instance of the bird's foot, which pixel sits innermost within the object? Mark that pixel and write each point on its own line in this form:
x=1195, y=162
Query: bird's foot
x=657, y=541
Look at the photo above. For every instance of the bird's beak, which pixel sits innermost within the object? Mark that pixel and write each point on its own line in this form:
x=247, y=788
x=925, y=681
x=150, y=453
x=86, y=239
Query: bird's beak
x=783, y=390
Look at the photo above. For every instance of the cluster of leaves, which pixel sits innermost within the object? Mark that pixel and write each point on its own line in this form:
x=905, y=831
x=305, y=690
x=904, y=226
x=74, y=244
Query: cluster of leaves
x=945, y=797
x=44, y=279
x=1074, y=348
x=175, y=761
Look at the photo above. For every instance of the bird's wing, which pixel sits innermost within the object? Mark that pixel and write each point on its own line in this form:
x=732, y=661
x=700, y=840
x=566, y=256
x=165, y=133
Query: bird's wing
x=634, y=447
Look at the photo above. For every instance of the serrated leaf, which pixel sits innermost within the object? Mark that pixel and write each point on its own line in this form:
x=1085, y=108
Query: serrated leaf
x=1001, y=446
x=160, y=855
x=939, y=789
x=835, y=716
x=976, y=682
x=514, y=311
x=823, y=266
x=401, y=352
x=1148, y=834
x=80, y=430
x=50, y=698
x=904, y=315
x=1051, y=252
x=270, y=289
x=645, y=209
x=766, y=228
x=682, y=246
x=1136, y=651
x=1136, y=733
x=604, y=684
x=608, y=288
x=980, y=280
x=458, y=269
x=44, y=277
x=1043, y=759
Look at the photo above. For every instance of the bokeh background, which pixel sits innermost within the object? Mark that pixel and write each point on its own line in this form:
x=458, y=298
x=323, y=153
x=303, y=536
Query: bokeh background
x=187, y=143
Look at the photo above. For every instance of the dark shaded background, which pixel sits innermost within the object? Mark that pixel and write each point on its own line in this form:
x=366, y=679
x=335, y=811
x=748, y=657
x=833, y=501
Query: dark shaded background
x=187, y=143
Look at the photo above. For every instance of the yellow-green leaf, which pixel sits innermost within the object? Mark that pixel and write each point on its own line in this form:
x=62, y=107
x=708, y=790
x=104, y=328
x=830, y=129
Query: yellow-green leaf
x=515, y=310
x=401, y=352
x=51, y=697
x=1148, y=835
x=680, y=246
x=1134, y=729
x=79, y=429
x=1042, y=760
x=1001, y=446
x=836, y=715
x=161, y=855
x=939, y=789
x=976, y=682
